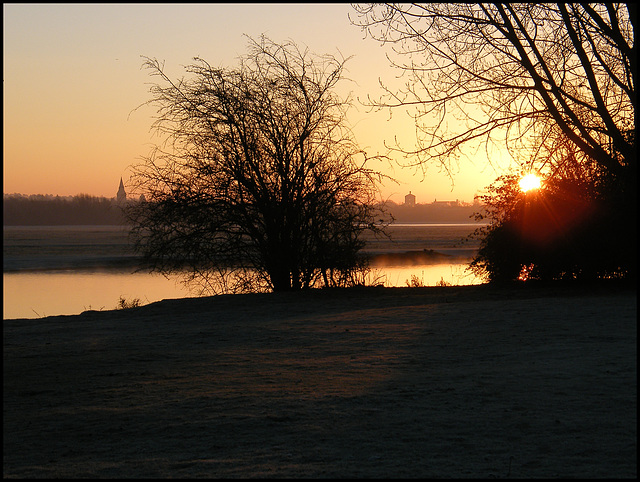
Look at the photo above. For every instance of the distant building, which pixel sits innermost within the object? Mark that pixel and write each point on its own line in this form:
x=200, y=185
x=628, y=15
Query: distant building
x=446, y=203
x=410, y=199
x=121, y=197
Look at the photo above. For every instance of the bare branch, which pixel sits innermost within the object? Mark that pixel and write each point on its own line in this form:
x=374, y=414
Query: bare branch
x=567, y=67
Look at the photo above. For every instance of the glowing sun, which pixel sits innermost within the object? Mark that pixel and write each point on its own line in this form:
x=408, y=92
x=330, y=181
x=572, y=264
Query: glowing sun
x=529, y=182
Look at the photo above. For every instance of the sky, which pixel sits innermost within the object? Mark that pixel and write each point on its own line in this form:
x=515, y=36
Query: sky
x=72, y=81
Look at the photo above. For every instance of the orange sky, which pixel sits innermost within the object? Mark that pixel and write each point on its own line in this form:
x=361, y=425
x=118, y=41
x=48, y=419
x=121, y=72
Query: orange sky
x=72, y=78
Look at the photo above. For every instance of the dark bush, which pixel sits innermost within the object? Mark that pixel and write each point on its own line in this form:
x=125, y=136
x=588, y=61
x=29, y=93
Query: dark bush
x=570, y=229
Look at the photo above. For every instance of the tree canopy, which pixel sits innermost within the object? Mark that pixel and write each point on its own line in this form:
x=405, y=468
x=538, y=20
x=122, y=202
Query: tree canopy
x=528, y=76
x=554, y=85
x=259, y=183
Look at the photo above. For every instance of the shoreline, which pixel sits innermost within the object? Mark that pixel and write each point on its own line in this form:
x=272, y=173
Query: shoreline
x=379, y=296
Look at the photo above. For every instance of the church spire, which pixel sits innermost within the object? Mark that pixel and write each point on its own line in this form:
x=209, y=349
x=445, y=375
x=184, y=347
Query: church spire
x=122, y=194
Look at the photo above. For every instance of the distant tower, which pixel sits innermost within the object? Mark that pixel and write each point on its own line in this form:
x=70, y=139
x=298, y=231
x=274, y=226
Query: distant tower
x=410, y=199
x=122, y=195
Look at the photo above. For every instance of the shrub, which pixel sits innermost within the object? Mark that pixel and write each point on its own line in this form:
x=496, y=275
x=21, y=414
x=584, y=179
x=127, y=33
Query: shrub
x=124, y=304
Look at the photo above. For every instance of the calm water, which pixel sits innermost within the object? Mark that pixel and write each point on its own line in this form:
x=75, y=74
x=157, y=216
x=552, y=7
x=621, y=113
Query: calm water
x=64, y=270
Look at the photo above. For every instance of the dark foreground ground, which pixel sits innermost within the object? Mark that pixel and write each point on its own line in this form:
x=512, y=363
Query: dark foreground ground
x=384, y=382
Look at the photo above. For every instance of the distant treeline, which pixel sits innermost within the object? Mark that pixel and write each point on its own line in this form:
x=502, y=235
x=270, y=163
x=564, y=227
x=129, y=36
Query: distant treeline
x=433, y=213
x=40, y=210
x=83, y=209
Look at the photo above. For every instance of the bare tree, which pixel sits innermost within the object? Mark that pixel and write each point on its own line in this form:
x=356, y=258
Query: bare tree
x=259, y=183
x=555, y=85
x=528, y=76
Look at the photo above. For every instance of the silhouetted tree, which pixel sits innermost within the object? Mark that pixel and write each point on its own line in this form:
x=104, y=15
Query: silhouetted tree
x=574, y=227
x=259, y=184
x=552, y=83
x=538, y=74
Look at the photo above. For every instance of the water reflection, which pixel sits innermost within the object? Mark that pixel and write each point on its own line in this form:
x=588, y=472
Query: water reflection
x=429, y=275
x=47, y=293
x=33, y=295
x=47, y=268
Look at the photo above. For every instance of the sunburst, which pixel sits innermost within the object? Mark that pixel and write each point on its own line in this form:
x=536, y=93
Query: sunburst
x=529, y=182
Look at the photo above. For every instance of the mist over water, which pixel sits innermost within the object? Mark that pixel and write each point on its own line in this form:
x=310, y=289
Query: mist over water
x=66, y=247
x=63, y=270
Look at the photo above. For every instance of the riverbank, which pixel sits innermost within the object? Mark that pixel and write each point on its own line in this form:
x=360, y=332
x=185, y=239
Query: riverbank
x=467, y=381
